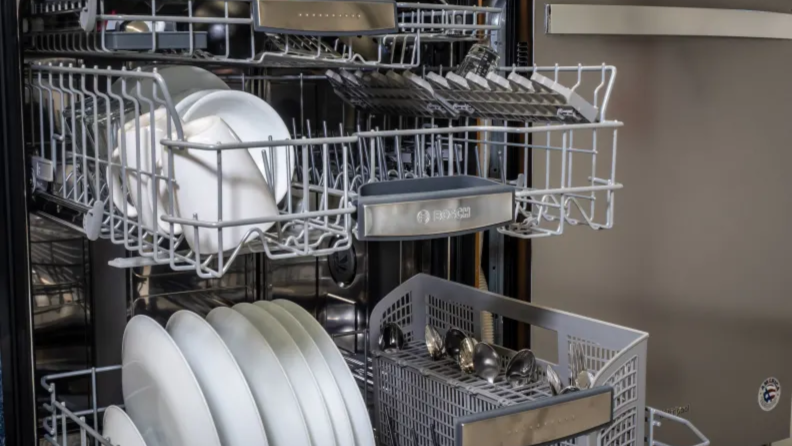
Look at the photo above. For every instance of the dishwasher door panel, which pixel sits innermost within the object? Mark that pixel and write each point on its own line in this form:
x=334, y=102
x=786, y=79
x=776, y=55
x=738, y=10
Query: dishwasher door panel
x=700, y=254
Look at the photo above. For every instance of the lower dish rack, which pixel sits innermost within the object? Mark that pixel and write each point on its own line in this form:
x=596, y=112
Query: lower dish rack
x=410, y=396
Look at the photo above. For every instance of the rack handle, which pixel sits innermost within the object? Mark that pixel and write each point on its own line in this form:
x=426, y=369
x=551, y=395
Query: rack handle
x=653, y=414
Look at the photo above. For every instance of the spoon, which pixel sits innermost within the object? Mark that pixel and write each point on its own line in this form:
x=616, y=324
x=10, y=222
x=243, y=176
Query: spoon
x=486, y=362
x=584, y=380
x=391, y=338
x=578, y=359
x=466, y=355
x=453, y=342
x=554, y=380
x=520, y=370
x=434, y=343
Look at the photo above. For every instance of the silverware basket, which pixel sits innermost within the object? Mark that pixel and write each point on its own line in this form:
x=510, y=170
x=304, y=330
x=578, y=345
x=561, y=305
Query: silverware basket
x=422, y=395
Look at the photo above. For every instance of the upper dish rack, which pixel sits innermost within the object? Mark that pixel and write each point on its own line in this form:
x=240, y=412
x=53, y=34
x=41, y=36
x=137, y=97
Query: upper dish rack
x=88, y=28
x=529, y=179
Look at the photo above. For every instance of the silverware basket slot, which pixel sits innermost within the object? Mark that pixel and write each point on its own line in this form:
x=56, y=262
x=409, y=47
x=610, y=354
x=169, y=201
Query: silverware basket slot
x=419, y=393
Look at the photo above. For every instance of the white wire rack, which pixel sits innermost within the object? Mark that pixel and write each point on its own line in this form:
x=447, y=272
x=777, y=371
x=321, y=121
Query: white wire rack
x=554, y=169
x=96, y=30
x=65, y=424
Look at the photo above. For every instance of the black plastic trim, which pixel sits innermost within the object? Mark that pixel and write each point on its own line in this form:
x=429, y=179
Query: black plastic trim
x=15, y=313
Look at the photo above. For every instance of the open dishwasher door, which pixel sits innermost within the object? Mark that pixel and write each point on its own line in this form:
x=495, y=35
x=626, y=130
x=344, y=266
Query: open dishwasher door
x=705, y=159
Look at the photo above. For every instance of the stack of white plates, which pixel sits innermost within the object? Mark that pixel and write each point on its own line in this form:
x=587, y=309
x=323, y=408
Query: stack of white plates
x=255, y=375
x=254, y=181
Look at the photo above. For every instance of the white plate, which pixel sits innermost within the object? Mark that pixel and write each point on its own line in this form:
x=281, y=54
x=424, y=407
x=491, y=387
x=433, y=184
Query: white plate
x=182, y=103
x=161, y=393
x=245, y=194
x=179, y=79
x=303, y=382
x=358, y=414
x=119, y=428
x=277, y=404
x=252, y=119
x=324, y=377
x=186, y=100
x=137, y=136
x=232, y=405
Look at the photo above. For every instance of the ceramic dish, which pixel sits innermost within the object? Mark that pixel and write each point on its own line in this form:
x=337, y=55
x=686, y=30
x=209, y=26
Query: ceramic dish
x=113, y=173
x=324, y=377
x=272, y=391
x=252, y=120
x=305, y=386
x=358, y=414
x=232, y=405
x=135, y=143
x=161, y=394
x=178, y=79
x=245, y=194
x=119, y=428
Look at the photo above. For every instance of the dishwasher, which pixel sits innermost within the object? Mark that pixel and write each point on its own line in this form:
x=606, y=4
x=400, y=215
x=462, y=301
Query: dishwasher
x=416, y=155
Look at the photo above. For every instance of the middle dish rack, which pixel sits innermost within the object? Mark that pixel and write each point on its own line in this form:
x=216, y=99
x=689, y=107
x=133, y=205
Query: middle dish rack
x=555, y=173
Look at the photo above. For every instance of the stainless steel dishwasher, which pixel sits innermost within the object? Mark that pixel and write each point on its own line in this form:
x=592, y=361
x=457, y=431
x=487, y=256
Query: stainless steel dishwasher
x=420, y=156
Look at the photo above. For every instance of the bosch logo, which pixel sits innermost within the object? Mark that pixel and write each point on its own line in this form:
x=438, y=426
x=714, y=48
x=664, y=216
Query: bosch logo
x=424, y=217
x=455, y=214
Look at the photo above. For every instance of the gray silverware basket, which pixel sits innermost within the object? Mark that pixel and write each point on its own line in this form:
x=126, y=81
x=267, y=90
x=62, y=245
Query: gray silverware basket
x=414, y=394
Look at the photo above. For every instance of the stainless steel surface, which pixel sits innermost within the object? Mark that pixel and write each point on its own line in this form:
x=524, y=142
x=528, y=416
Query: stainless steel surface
x=634, y=20
x=466, y=355
x=584, y=380
x=540, y=426
x=521, y=368
x=391, y=338
x=158, y=292
x=453, y=343
x=342, y=294
x=434, y=343
x=578, y=358
x=682, y=263
x=554, y=380
x=331, y=17
x=486, y=362
x=63, y=312
x=436, y=217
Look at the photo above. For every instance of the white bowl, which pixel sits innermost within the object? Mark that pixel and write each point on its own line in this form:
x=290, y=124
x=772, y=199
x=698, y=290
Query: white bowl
x=244, y=192
x=252, y=119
